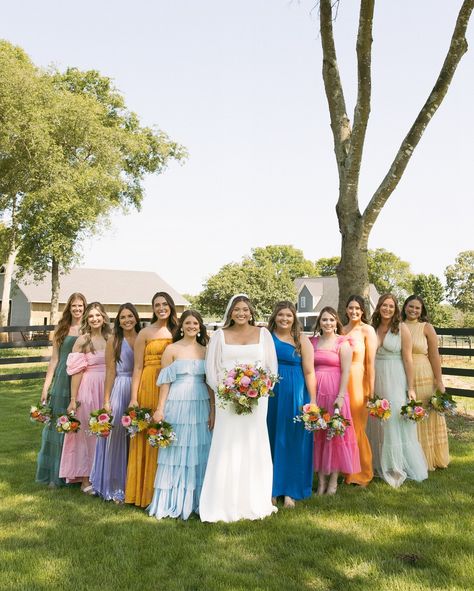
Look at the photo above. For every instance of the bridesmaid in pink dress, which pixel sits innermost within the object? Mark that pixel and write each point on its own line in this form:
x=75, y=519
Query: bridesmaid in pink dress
x=86, y=365
x=332, y=363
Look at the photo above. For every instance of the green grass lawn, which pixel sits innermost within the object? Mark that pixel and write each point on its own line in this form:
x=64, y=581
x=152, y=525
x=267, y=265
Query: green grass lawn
x=419, y=537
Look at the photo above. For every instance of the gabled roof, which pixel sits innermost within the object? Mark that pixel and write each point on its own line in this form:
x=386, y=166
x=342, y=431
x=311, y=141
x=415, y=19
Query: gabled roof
x=104, y=285
x=325, y=291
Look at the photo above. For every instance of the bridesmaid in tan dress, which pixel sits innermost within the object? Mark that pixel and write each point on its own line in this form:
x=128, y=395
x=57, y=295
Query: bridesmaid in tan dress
x=361, y=382
x=149, y=346
x=432, y=432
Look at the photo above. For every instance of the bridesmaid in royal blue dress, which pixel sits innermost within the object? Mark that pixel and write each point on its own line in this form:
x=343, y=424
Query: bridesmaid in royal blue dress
x=110, y=462
x=188, y=404
x=291, y=444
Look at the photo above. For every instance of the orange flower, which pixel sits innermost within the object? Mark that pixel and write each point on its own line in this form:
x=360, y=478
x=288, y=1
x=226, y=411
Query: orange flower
x=152, y=431
x=326, y=416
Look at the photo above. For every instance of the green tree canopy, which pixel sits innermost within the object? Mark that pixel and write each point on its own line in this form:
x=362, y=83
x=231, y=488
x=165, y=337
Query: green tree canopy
x=460, y=281
x=266, y=276
x=327, y=267
x=430, y=288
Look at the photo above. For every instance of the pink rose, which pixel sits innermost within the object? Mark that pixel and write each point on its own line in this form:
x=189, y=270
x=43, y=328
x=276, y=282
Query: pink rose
x=252, y=393
x=307, y=408
x=385, y=404
x=419, y=410
x=245, y=381
x=63, y=419
x=103, y=418
x=231, y=373
x=229, y=382
x=126, y=421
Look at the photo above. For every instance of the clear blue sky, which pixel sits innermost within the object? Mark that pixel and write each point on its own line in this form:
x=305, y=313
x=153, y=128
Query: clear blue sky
x=239, y=84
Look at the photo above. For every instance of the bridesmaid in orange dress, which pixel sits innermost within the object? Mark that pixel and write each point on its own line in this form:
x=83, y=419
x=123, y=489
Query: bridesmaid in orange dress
x=432, y=432
x=149, y=347
x=361, y=382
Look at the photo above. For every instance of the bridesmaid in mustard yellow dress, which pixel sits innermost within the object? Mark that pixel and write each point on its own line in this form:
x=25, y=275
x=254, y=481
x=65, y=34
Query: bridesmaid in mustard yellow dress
x=361, y=382
x=149, y=347
x=432, y=432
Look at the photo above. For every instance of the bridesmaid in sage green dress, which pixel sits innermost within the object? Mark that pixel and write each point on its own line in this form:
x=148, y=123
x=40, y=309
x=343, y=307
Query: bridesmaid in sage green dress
x=65, y=336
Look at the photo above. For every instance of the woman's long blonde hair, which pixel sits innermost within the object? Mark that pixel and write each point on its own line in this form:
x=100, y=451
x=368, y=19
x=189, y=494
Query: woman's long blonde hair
x=85, y=330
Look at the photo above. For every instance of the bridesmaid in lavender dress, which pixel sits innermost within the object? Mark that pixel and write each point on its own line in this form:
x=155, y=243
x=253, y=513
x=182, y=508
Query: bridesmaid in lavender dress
x=110, y=462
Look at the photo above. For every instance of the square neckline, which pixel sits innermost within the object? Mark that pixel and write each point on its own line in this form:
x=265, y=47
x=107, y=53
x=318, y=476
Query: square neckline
x=239, y=345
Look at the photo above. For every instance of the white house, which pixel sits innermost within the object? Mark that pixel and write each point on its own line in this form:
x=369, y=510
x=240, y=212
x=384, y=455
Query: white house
x=315, y=293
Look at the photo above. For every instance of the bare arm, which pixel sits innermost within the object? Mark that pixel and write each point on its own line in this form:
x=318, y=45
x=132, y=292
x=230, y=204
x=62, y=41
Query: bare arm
x=407, y=357
x=138, y=356
x=307, y=356
x=50, y=372
x=166, y=360
x=371, y=350
x=345, y=356
x=110, y=371
x=433, y=356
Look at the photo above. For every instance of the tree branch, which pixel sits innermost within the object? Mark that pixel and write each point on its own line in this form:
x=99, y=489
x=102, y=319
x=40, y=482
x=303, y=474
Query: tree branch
x=364, y=88
x=457, y=49
x=332, y=84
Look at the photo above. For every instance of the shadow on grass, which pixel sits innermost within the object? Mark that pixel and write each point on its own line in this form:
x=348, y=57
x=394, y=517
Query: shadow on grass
x=361, y=539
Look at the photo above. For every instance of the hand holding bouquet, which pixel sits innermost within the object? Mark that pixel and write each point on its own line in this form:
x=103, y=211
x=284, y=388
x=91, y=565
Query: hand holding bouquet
x=443, y=403
x=413, y=411
x=312, y=417
x=100, y=423
x=337, y=425
x=136, y=419
x=379, y=408
x=67, y=423
x=160, y=434
x=41, y=413
x=243, y=385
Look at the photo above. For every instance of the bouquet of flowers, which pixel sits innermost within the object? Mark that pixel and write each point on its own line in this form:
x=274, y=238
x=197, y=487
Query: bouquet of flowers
x=160, y=434
x=41, y=413
x=443, y=403
x=67, y=423
x=243, y=385
x=136, y=419
x=312, y=417
x=413, y=411
x=100, y=423
x=379, y=408
x=337, y=425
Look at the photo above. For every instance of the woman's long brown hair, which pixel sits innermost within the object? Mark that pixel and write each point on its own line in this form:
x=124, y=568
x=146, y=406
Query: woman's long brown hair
x=295, y=328
x=65, y=322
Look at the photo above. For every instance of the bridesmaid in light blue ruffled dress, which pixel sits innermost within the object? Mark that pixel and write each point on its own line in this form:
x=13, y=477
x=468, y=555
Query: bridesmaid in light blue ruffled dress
x=396, y=452
x=184, y=403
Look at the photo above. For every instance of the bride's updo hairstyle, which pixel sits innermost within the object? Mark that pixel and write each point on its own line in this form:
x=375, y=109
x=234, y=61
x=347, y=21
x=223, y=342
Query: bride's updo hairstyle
x=230, y=308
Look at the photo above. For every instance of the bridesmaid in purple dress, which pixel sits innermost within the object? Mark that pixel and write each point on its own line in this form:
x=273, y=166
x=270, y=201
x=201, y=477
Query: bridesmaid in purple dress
x=110, y=462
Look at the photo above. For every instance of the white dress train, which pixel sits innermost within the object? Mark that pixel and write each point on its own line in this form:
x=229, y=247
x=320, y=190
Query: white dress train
x=238, y=480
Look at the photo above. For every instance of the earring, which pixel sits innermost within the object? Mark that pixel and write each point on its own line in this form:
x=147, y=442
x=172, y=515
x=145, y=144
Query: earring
x=181, y=332
x=198, y=334
x=251, y=318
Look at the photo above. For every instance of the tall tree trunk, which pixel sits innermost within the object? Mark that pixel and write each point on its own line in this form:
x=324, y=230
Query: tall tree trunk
x=7, y=284
x=355, y=227
x=54, y=291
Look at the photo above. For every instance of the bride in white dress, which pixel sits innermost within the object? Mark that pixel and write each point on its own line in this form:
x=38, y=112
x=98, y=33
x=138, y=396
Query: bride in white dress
x=238, y=480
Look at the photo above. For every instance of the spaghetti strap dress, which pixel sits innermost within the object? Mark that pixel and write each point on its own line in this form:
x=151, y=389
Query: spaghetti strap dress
x=432, y=432
x=142, y=458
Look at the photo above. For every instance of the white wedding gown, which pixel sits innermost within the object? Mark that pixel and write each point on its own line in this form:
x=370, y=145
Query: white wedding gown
x=238, y=480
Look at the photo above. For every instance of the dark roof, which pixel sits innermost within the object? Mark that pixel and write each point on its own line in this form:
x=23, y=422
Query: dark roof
x=104, y=285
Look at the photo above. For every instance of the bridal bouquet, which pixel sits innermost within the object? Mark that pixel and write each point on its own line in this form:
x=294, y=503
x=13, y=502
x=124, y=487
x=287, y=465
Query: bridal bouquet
x=41, y=413
x=243, y=385
x=337, y=425
x=100, y=423
x=413, y=411
x=313, y=417
x=160, y=434
x=67, y=423
x=443, y=403
x=379, y=408
x=136, y=419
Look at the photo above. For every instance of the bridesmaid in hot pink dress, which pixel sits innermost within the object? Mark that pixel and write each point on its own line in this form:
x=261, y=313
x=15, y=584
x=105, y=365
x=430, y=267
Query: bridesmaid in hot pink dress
x=332, y=363
x=86, y=365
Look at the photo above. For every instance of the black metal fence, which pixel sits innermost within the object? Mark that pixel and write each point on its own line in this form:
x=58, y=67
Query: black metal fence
x=454, y=342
